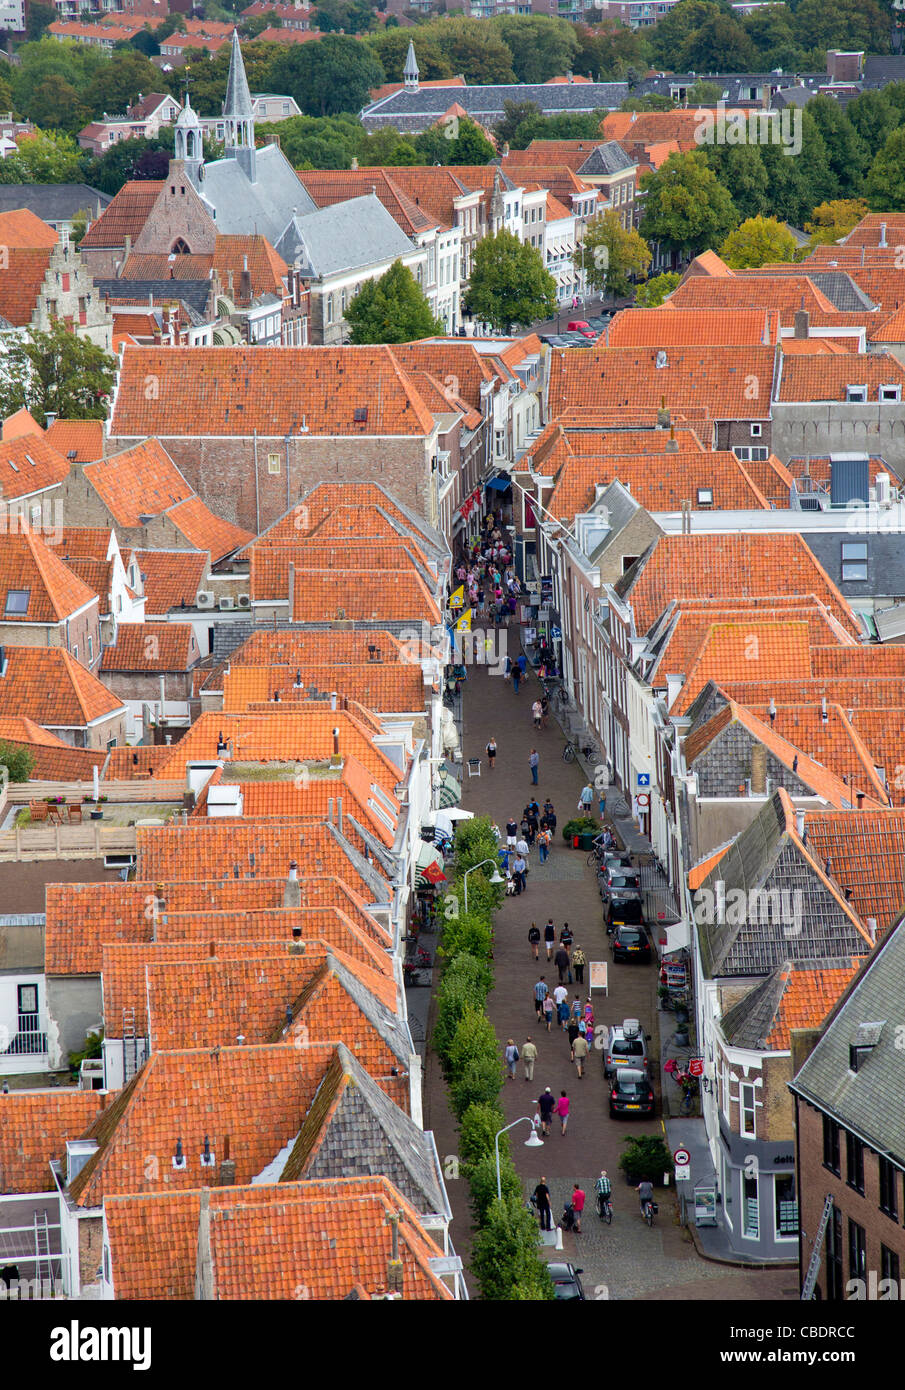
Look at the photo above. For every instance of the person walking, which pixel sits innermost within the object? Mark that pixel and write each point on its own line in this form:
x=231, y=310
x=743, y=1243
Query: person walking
x=548, y=1012
x=561, y=961
x=578, y=1200
x=516, y=677
x=522, y=664
x=565, y=937
x=579, y=961
x=544, y=710
x=544, y=841
x=529, y=1057
x=563, y=1008
x=580, y=1053
x=533, y=763
x=519, y=872
x=522, y=847
x=542, y=1202
x=540, y=994
x=534, y=939
x=546, y=1104
x=512, y=1056
x=586, y=799
x=577, y=1008
x=511, y=832
x=549, y=937
x=537, y=713
x=549, y=815
x=589, y=1017
x=562, y=1110
x=573, y=1031
x=491, y=752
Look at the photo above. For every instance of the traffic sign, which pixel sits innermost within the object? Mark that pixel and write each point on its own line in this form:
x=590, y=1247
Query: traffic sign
x=682, y=1172
x=643, y=801
x=556, y=633
x=696, y=1066
x=681, y=1157
x=643, y=779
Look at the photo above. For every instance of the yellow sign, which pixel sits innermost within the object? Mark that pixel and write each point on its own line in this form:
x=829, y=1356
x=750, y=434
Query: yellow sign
x=464, y=623
x=457, y=597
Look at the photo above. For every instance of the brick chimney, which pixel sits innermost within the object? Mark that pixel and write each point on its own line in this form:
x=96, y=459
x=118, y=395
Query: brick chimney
x=227, y=1173
x=802, y=323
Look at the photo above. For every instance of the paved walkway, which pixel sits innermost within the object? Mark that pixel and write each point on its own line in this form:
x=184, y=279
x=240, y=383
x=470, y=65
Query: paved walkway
x=625, y=1260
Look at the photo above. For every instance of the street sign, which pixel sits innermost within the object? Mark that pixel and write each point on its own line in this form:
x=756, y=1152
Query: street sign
x=643, y=779
x=643, y=801
x=682, y=1172
x=556, y=633
x=681, y=1157
x=696, y=1066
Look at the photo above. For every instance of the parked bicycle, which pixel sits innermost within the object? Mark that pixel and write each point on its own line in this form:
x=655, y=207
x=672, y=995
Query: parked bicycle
x=587, y=750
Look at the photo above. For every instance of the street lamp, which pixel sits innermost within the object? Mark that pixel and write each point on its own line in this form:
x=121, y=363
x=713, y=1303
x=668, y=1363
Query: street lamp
x=494, y=877
x=532, y=1142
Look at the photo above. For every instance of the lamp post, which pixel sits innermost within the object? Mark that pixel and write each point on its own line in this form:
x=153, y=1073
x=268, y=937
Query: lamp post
x=532, y=1142
x=494, y=877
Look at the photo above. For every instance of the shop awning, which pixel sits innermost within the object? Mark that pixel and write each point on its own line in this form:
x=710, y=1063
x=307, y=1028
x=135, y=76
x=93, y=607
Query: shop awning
x=438, y=824
x=429, y=867
x=498, y=485
x=450, y=793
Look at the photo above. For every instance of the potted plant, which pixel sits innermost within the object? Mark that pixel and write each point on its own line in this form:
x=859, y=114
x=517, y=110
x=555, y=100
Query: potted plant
x=645, y=1157
x=573, y=829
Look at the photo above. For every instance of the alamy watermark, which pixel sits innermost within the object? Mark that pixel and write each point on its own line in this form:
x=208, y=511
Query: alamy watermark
x=756, y=906
x=717, y=126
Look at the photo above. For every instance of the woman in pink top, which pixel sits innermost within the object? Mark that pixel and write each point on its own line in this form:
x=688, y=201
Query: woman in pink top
x=562, y=1110
x=577, y=1205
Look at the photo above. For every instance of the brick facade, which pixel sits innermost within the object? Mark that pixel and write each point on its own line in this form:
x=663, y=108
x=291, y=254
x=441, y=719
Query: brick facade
x=72, y=634
x=728, y=761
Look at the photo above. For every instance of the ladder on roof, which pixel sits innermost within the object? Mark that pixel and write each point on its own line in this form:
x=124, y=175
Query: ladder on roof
x=810, y=1279
x=130, y=1046
x=43, y=1258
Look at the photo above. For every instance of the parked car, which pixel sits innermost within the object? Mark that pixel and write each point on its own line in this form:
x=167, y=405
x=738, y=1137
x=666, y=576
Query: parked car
x=630, y=943
x=576, y=340
x=581, y=326
x=621, y=882
x=617, y=859
x=623, y=912
x=599, y=323
x=553, y=339
x=631, y=1093
x=626, y=1046
x=566, y=1283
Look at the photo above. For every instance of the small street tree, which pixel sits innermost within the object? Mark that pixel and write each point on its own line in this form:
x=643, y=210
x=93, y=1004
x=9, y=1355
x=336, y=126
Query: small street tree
x=610, y=255
x=686, y=209
x=758, y=241
x=56, y=371
x=653, y=292
x=392, y=309
x=509, y=283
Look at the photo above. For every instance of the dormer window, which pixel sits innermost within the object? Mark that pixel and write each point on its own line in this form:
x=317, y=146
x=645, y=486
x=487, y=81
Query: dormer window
x=705, y=496
x=890, y=393
x=856, y=393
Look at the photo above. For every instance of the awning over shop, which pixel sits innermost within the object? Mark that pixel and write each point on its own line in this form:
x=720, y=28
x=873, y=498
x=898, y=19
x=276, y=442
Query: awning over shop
x=498, y=485
x=450, y=793
x=429, y=867
x=437, y=824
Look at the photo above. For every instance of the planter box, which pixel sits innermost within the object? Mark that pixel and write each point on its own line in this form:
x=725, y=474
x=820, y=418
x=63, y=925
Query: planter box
x=96, y=815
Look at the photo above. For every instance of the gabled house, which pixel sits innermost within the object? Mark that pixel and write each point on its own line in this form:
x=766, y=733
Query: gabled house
x=150, y=668
x=45, y=280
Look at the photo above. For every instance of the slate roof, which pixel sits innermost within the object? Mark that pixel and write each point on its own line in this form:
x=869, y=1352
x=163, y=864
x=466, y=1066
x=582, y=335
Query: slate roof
x=54, y=202
x=868, y=1101
x=194, y=293
x=266, y=205
x=409, y=110
x=345, y=236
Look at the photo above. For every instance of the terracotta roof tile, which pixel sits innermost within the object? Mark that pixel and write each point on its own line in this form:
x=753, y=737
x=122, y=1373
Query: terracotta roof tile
x=746, y=648
x=206, y=531
x=325, y=595
x=659, y=482
x=140, y=481
x=329, y=186
x=171, y=578
x=53, y=760
x=54, y=591
x=784, y=294
x=29, y=464
x=719, y=380
x=664, y=328
x=864, y=853
x=826, y=378
x=340, y=648
x=34, y=1127
x=125, y=216
x=237, y=390
x=271, y=560
x=152, y=647
x=808, y=997
x=47, y=685
x=21, y=422
x=376, y=684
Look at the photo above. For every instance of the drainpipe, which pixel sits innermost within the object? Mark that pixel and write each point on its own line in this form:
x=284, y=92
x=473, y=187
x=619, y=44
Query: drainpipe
x=257, y=504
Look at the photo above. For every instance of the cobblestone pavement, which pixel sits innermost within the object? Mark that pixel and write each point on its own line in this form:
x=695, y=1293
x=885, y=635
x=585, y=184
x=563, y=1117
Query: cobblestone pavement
x=625, y=1260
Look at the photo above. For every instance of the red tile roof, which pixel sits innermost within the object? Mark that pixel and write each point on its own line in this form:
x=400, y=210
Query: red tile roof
x=125, y=216
x=171, y=578
x=808, y=996
x=385, y=595
x=660, y=482
x=826, y=378
x=206, y=531
x=729, y=383
x=47, y=685
x=152, y=647
x=29, y=464
x=237, y=390
x=376, y=684
x=53, y=760
x=55, y=592
x=329, y=186
x=663, y=328
x=34, y=1127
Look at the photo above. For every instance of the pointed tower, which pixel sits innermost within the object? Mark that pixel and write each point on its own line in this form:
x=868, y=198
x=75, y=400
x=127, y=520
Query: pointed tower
x=188, y=142
x=410, y=71
x=237, y=113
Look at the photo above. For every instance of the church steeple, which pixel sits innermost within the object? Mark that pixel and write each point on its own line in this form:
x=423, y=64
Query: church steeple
x=237, y=113
x=188, y=141
x=410, y=71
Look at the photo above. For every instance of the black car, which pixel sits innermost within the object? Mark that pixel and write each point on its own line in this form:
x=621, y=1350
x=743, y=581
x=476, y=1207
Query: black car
x=631, y=943
x=622, y=912
x=631, y=1093
x=566, y=1283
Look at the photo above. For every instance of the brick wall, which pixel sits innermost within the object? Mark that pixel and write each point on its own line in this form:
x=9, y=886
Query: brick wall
x=68, y=294
x=222, y=471
x=91, y=1246
x=723, y=767
x=80, y=628
x=145, y=686
x=739, y=431
x=178, y=212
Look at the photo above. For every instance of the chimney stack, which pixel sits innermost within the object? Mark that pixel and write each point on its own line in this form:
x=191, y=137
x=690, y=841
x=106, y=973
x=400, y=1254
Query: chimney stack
x=802, y=323
x=227, y=1176
x=672, y=444
x=292, y=890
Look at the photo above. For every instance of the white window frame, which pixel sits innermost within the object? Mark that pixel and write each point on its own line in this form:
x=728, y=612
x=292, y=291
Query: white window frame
x=744, y=1109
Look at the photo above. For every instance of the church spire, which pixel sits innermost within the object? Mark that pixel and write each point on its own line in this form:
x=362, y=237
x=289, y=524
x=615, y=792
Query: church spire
x=410, y=71
x=237, y=113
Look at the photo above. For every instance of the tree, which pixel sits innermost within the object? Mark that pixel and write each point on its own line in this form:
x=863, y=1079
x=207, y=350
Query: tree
x=884, y=186
x=541, y=47
x=611, y=255
x=834, y=220
x=874, y=117
x=146, y=43
x=758, y=241
x=117, y=85
x=79, y=226
x=686, y=208
x=387, y=146
x=845, y=24
x=473, y=49
x=719, y=45
x=514, y=114
x=651, y=102
x=37, y=17
x=346, y=16
x=470, y=145
x=173, y=24
x=509, y=283
x=847, y=155
x=55, y=105
x=606, y=51
x=328, y=75
x=127, y=160
x=705, y=94
x=770, y=29
x=670, y=35
x=504, y=1256
x=50, y=157
x=6, y=95
x=796, y=185
x=740, y=169
x=56, y=371
x=392, y=309
x=653, y=292
x=17, y=760
x=391, y=50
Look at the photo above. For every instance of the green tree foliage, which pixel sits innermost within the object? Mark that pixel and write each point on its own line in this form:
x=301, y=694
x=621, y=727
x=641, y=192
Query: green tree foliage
x=509, y=283
x=79, y=226
x=515, y=113
x=505, y=1255
x=686, y=208
x=653, y=292
x=316, y=142
x=651, y=102
x=480, y=1123
x=798, y=183
x=670, y=35
x=884, y=186
x=563, y=127
x=19, y=763
x=128, y=159
x=541, y=47
x=482, y=1178
x=37, y=17
x=759, y=241
x=391, y=48
x=145, y=42
x=474, y=50
x=345, y=16
x=611, y=255
x=607, y=50
x=847, y=155
x=470, y=931
x=6, y=95
x=392, y=309
x=770, y=30
x=327, y=76
x=874, y=117
x=844, y=24
x=470, y=145
x=834, y=220
x=116, y=85
x=741, y=171
x=720, y=44
x=55, y=104
x=50, y=157
x=56, y=371
x=645, y=1157
x=705, y=94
